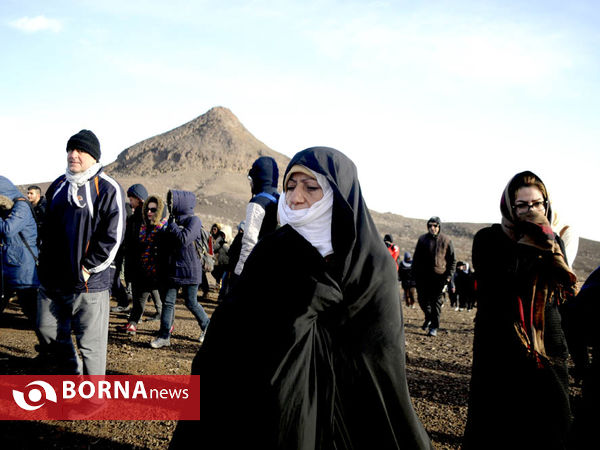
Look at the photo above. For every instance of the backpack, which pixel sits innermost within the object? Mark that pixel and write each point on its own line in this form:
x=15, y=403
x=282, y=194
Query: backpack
x=204, y=251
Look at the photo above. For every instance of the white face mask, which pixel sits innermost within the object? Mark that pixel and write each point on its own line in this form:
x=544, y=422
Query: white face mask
x=314, y=223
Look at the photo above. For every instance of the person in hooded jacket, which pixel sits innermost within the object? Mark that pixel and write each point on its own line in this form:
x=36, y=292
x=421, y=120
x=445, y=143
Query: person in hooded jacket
x=326, y=367
x=147, y=260
x=433, y=266
x=261, y=212
x=220, y=247
x=19, y=251
x=407, y=280
x=182, y=268
x=519, y=390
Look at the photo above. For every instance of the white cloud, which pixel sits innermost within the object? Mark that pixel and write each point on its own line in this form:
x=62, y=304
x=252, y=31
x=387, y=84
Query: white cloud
x=35, y=24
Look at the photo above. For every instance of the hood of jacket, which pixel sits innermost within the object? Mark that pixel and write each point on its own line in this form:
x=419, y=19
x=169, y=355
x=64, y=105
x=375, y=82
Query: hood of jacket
x=161, y=207
x=182, y=202
x=6, y=204
x=438, y=222
x=264, y=174
x=8, y=189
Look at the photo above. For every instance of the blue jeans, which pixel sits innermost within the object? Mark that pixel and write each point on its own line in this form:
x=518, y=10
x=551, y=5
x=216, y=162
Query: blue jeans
x=190, y=295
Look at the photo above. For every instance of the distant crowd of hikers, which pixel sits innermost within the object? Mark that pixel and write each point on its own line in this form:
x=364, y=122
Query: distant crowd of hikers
x=323, y=365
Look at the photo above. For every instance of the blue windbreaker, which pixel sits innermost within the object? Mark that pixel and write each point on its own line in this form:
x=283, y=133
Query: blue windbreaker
x=18, y=263
x=183, y=263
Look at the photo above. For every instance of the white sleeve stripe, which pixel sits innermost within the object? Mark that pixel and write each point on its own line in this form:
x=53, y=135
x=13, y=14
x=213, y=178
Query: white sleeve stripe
x=115, y=249
x=88, y=196
x=62, y=185
x=255, y=214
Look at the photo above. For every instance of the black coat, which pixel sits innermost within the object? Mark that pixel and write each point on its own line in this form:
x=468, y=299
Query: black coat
x=585, y=341
x=513, y=403
x=130, y=247
x=308, y=353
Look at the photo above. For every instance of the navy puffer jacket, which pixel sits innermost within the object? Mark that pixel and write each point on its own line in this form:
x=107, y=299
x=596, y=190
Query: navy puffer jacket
x=182, y=261
x=18, y=263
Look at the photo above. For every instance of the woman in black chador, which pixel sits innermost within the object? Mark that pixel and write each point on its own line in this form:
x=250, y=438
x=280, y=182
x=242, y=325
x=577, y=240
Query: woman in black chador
x=307, y=351
x=519, y=397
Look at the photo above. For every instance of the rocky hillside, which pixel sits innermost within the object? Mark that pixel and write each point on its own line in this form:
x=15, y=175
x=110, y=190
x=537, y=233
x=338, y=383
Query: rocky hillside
x=211, y=156
x=214, y=141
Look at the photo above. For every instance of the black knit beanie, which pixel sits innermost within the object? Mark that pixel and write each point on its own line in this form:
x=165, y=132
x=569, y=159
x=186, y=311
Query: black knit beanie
x=85, y=141
x=138, y=191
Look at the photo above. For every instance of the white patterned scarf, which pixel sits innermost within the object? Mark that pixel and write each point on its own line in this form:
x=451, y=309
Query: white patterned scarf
x=76, y=180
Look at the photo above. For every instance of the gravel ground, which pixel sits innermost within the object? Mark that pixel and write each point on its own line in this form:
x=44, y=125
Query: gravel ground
x=438, y=371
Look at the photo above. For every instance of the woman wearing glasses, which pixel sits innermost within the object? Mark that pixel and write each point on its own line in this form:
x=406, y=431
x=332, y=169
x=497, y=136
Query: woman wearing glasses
x=147, y=262
x=519, y=394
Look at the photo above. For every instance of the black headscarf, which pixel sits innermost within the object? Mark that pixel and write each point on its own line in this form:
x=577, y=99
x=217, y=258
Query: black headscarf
x=307, y=352
x=362, y=260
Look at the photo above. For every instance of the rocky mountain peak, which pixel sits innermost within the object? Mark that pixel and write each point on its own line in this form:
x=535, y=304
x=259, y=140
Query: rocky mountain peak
x=216, y=140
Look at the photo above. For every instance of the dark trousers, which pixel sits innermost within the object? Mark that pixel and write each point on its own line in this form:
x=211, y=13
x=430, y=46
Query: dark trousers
x=118, y=290
x=430, y=299
x=141, y=294
x=204, y=287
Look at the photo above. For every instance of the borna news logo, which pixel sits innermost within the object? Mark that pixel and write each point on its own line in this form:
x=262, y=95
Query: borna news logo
x=107, y=397
x=35, y=396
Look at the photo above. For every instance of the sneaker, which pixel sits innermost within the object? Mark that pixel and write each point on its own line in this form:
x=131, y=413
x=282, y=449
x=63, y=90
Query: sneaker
x=153, y=318
x=425, y=325
x=432, y=332
x=202, y=337
x=160, y=342
x=456, y=309
x=120, y=308
x=131, y=329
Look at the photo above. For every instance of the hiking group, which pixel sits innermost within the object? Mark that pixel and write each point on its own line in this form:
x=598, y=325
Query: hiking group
x=326, y=365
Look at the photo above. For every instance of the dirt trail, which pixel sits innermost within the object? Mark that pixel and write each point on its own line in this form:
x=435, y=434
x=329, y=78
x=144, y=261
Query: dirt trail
x=438, y=371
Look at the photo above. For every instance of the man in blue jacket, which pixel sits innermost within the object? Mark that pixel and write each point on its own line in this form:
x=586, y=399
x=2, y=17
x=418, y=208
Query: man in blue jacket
x=82, y=232
x=18, y=248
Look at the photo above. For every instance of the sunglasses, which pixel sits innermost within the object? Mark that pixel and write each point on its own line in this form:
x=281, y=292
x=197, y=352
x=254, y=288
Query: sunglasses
x=152, y=210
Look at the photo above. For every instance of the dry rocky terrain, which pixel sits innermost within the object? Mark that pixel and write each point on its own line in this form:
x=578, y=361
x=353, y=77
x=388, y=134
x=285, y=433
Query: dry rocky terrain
x=438, y=372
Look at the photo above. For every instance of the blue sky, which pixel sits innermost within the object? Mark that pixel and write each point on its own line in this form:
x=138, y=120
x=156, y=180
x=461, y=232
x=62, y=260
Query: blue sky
x=438, y=103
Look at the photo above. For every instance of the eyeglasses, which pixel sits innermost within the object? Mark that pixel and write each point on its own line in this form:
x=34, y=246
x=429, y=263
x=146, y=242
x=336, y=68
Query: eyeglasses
x=538, y=205
x=433, y=225
x=152, y=210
